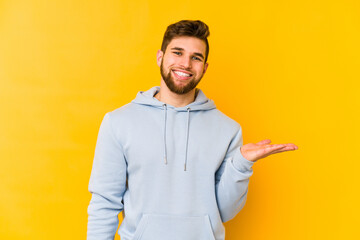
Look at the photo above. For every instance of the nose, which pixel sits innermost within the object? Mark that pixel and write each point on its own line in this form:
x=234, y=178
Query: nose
x=186, y=62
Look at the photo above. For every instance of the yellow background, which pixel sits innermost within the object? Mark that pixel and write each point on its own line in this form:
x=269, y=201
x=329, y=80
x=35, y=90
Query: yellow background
x=285, y=70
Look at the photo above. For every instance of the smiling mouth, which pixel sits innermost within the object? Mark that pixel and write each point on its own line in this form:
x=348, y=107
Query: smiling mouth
x=182, y=75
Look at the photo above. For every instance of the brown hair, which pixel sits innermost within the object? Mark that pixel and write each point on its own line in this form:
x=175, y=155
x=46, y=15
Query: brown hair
x=189, y=28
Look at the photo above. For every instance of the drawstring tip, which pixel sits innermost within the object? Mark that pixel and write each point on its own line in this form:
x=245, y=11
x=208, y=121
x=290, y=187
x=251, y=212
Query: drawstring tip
x=184, y=167
x=165, y=160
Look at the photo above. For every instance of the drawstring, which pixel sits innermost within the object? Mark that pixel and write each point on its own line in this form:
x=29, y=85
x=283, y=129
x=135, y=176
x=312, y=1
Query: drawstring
x=187, y=136
x=165, y=155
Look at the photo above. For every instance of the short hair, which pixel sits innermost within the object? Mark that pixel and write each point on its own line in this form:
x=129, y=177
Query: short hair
x=188, y=28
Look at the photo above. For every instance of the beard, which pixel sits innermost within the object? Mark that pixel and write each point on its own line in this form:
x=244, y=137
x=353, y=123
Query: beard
x=170, y=82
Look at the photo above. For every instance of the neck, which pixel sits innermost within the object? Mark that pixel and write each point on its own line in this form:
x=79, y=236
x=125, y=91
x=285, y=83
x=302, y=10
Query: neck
x=174, y=99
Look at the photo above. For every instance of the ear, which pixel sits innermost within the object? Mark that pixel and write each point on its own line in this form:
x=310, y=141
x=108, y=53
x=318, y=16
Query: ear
x=159, y=56
x=205, y=67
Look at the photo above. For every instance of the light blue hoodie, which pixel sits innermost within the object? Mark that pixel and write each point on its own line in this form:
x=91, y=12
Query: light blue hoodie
x=175, y=173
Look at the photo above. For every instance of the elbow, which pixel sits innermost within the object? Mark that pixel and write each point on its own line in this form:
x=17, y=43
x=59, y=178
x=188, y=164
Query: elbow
x=229, y=213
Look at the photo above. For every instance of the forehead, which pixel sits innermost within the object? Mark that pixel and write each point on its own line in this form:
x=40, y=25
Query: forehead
x=189, y=44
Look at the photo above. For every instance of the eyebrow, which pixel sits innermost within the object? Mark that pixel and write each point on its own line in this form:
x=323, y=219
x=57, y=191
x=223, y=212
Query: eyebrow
x=181, y=49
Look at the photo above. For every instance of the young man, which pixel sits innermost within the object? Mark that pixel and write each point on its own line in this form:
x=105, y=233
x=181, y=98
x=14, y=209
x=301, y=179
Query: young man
x=169, y=160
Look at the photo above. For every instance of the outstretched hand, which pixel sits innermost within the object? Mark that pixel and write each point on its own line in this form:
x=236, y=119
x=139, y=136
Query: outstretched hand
x=262, y=149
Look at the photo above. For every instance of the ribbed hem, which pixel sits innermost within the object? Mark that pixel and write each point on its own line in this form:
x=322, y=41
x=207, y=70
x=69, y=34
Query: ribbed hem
x=241, y=163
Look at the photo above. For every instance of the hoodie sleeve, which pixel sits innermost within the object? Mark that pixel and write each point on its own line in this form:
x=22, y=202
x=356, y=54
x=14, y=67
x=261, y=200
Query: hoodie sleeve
x=107, y=185
x=232, y=179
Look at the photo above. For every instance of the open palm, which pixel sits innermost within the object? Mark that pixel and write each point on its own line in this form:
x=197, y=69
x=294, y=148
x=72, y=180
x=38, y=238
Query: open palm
x=262, y=149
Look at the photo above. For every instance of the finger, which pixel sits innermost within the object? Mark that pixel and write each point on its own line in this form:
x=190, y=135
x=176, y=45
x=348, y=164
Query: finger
x=291, y=146
x=275, y=146
x=288, y=146
x=263, y=142
x=284, y=149
x=269, y=149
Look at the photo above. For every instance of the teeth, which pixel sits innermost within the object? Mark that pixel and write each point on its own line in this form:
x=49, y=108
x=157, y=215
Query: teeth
x=182, y=74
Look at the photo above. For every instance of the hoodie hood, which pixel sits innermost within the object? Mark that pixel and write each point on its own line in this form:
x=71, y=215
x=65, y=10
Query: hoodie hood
x=147, y=98
x=201, y=103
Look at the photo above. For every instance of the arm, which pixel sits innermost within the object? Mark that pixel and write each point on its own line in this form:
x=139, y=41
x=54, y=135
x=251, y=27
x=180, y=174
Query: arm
x=232, y=179
x=107, y=184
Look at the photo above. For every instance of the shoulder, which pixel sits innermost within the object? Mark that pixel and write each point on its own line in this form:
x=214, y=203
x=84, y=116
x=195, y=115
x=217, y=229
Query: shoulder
x=122, y=114
x=123, y=111
x=225, y=120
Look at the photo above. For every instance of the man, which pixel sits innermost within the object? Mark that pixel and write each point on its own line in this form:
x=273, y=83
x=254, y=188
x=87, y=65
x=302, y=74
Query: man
x=169, y=160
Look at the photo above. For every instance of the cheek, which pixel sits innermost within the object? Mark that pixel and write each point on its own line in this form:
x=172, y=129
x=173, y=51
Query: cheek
x=167, y=63
x=200, y=70
x=170, y=62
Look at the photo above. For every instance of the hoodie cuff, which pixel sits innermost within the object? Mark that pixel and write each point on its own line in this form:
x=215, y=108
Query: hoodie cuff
x=241, y=163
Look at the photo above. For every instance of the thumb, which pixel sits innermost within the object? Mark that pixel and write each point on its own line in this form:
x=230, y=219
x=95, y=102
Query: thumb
x=263, y=142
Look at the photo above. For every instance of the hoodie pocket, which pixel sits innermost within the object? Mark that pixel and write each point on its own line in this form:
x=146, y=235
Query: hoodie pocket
x=170, y=227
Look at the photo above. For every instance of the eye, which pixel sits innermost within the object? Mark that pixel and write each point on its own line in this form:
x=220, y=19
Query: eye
x=196, y=58
x=177, y=53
